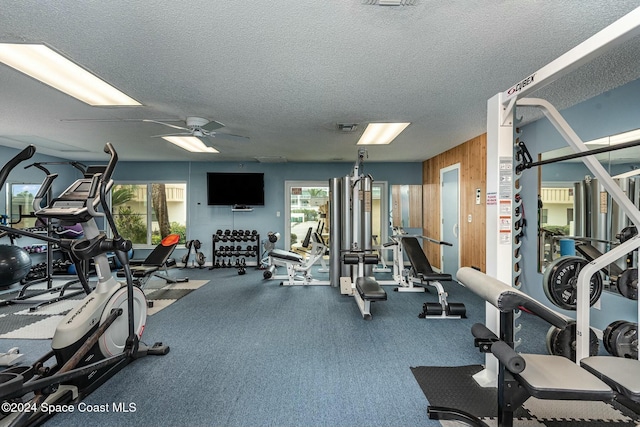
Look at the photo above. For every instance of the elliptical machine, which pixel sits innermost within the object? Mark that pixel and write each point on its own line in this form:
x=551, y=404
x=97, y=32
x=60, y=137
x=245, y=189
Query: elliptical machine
x=102, y=334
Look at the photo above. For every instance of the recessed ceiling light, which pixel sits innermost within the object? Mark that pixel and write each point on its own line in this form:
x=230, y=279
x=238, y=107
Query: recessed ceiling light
x=49, y=67
x=381, y=133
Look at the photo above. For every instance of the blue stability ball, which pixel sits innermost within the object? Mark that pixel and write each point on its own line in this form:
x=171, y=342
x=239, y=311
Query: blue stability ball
x=15, y=263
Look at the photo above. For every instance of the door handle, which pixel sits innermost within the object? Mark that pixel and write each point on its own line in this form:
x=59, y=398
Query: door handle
x=455, y=230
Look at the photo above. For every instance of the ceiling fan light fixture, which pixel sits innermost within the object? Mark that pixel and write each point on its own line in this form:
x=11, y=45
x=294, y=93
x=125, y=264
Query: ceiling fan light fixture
x=381, y=133
x=190, y=143
x=49, y=67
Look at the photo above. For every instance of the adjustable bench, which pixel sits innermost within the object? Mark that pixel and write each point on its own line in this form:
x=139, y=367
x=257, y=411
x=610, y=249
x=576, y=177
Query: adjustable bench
x=367, y=289
x=601, y=378
x=422, y=273
x=155, y=264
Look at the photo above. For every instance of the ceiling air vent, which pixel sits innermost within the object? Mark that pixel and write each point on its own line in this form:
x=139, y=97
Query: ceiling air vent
x=346, y=127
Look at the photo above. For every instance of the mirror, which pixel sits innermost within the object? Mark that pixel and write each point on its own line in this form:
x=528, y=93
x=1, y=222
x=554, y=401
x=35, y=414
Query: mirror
x=576, y=214
x=406, y=206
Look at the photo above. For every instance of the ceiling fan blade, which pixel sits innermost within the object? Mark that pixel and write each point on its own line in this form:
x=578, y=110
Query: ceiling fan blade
x=228, y=136
x=166, y=124
x=212, y=125
x=173, y=134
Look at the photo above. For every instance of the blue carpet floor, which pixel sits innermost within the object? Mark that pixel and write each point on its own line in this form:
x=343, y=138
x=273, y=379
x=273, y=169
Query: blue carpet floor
x=248, y=352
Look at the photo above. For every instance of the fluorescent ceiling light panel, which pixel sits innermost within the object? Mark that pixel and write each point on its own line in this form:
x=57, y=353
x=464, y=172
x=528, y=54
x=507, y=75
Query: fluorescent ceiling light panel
x=381, y=133
x=49, y=67
x=190, y=143
x=619, y=138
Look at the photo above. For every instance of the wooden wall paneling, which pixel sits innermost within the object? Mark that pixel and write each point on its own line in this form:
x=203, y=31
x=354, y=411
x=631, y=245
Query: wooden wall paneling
x=415, y=206
x=472, y=158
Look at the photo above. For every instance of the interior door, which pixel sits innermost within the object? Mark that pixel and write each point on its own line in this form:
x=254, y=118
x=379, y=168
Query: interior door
x=450, y=214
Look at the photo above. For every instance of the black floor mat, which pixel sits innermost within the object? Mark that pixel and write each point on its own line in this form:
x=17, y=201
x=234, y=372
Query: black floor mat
x=454, y=387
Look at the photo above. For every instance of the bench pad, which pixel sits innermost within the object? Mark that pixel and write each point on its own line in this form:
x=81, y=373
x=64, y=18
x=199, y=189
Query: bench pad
x=623, y=375
x=140, y=270
x=420, y=263
x=370, y=290
x=286, y=255
x=556, y=377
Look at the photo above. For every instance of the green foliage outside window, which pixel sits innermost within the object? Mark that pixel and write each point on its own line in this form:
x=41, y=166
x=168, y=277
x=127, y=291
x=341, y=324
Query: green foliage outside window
x=131, y=225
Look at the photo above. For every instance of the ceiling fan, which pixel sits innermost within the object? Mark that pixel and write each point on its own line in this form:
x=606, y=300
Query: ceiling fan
x=200, y=127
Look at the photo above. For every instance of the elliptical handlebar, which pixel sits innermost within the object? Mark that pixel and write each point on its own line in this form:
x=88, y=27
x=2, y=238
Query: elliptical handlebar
x=108, y=148
x=99, y=183
x=25, y=154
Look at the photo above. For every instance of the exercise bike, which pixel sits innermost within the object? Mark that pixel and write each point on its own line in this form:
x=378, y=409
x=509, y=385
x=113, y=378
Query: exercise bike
x=102, y=334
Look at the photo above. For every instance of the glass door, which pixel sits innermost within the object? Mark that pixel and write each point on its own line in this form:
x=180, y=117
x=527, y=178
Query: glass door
x=309, y=208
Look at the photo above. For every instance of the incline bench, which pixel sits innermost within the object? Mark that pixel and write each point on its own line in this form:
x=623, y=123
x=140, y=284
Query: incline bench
x=155, y=264
x=422, y=273
x=520, y=376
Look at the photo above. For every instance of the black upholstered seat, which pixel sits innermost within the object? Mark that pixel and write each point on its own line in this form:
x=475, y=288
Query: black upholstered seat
x=370, y=290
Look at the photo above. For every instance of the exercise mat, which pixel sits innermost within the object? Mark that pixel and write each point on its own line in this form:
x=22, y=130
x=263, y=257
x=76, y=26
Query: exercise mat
x=18, y=322
x=454, y=387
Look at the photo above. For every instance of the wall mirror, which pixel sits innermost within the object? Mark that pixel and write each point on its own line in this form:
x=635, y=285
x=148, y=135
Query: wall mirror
x=406, y=206
x=576, y=214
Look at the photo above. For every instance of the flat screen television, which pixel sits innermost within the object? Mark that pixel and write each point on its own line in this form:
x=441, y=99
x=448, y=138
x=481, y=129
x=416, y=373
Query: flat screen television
x=235, y=189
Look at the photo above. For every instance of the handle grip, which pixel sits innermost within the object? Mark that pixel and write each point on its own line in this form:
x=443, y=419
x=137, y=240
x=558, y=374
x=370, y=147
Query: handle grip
x=508, y=357
x=108, y=148
x=25, y=154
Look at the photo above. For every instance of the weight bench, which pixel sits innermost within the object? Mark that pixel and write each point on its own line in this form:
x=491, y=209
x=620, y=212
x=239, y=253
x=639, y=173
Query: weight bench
x=155, y=264
x=520, y=376
x=422, y=273
x=367, y=289
x=296, y=263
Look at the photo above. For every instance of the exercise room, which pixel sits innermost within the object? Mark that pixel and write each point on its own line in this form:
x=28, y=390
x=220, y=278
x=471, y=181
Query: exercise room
x=351, y=213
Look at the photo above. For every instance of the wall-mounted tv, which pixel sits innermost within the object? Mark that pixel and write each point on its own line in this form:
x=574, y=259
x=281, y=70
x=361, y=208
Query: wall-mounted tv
x=235, y=189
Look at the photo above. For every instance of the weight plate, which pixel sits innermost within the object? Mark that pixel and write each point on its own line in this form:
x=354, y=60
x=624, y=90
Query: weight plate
x=624, y=340
x=628, y=283
x=607, y=334
x=550, y=338
x=563, y=342
x=560, y=282
x=200, y=258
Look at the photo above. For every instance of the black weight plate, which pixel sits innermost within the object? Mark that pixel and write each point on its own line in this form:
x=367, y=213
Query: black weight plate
x=607, y=334
x=550, y=339
x=563, y=343
x=624, y=340
x=628, y=283
x=560, y=282
x=200, y=258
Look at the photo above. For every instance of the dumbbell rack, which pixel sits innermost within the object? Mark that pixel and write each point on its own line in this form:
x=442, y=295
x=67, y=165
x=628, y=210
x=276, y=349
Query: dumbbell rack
x=233, y=246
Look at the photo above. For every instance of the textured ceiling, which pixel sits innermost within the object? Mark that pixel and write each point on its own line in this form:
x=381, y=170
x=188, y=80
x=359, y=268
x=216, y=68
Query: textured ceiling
x=283, y=73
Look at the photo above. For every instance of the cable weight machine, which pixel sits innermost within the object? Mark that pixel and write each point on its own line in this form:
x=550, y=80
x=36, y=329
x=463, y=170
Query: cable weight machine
x=351, y=259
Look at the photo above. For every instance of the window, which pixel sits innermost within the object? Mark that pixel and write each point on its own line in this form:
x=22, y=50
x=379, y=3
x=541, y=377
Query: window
x=20, y=204
x=147, y=223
